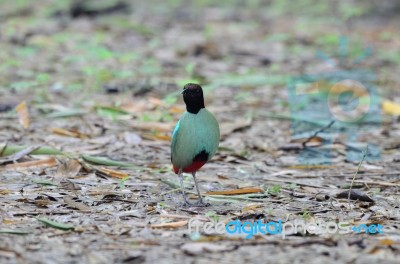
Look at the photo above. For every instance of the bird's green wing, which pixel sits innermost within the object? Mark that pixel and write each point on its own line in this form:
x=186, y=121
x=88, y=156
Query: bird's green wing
x=174, y=136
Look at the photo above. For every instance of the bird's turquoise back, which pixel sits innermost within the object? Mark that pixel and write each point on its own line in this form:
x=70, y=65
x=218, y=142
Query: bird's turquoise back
x=193, y=134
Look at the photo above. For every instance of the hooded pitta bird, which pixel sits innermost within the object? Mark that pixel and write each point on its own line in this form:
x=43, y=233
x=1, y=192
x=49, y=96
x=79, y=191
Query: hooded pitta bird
x=195, y=138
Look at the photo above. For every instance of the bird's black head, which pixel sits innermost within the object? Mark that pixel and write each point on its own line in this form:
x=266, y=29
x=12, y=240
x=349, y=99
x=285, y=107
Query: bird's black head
x=193, y=97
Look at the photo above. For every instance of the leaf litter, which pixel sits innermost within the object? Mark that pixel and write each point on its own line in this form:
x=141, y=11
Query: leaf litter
x=85, y=173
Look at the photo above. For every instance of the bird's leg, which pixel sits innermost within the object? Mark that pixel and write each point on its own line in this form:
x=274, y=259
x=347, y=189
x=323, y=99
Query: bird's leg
x=185, y=201
x=200, y=202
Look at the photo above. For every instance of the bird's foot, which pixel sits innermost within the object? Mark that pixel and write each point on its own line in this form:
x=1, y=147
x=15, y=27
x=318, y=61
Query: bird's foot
x=186, y=204
x=199, y=203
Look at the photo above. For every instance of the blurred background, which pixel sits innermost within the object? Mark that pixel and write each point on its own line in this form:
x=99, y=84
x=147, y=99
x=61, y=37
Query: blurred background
x=104, y=60
x=107, y=46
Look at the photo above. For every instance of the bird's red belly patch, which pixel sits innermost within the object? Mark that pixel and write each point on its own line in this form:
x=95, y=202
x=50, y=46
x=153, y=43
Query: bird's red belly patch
x=192, y=167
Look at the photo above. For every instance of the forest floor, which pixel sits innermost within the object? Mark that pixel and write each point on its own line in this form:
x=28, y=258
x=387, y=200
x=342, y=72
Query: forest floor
x=90, y=93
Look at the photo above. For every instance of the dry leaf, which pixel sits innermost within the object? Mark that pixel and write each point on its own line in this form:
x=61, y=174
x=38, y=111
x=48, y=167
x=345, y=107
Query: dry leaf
x=132, y=138
x=391, y=108
x=253, y=207
x=236, y=191
x=291, y=147
x=298, y=144
x=77, y=205
x=174, y=216
x=4, y=192
x=310, y=167
x=157, y=136
x=155, y=101
x=50, y=162
x=68, y=133
x=68, y=169
x=154, y=126
x=176, y=109
x=202, y=248
x=69, y=185
x=228, y=128
x=222, y=177
x=313, y=142
x=376, y=183
x=10, y=221
x=42, y=202
x=387, y=242
x=23, y=114
x=113, y=173
x=170, y=225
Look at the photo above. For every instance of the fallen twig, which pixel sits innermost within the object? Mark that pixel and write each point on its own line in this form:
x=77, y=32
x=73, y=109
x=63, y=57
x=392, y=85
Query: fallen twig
x=317, y=132
x=378, y=183
x=355, y=175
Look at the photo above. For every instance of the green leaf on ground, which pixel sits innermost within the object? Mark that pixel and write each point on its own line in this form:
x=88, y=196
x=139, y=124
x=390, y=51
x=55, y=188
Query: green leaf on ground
x=110, y=112
x=9, y=150
x=106, y=162
x=14, y=232
x=55, y=224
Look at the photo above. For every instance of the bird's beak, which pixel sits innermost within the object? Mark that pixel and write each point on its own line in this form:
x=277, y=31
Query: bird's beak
x=183, y=91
